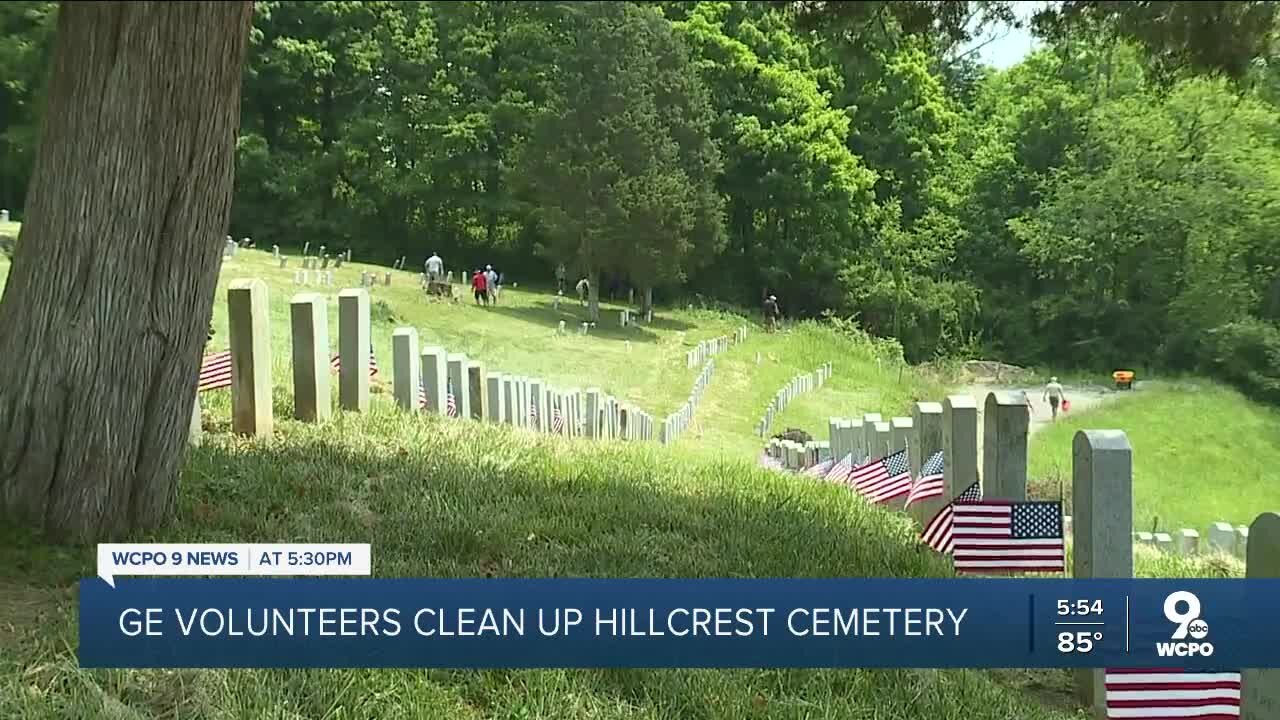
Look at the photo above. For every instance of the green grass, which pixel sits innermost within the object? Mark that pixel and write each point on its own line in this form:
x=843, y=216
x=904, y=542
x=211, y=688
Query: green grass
x=439, y=498
x=1201, y=453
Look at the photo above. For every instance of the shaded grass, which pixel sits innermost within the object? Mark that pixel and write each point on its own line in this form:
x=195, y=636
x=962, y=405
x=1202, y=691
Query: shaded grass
x=455, y=499
x=1202, y=452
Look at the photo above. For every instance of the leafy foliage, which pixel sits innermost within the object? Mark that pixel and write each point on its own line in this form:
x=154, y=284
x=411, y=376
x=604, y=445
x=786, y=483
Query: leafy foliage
x=1110, y=200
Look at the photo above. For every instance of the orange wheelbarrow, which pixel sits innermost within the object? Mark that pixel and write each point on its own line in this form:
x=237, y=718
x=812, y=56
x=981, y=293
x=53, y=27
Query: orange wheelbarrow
x=1124, y=379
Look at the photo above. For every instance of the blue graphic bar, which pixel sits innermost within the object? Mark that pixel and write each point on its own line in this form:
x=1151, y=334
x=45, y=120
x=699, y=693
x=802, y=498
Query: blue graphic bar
x=271, y=622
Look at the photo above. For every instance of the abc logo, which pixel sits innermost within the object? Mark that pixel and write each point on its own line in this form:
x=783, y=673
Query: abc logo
x=1198, y=629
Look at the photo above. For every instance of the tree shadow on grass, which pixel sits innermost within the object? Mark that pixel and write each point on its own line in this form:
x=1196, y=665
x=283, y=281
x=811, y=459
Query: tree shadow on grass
x=444, y=498
x=573, y=316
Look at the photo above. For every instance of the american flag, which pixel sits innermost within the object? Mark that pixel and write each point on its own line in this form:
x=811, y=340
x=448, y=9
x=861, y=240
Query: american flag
x=557, y=420
x=930, y=483
x=533, y=412
x=215, y=371
x=840, y=470
x=336, y=363
x=422, y=396
x=822, y=468
x=450, y=405
x=1006, y=536
x=883, y=479
x=937, y=534
x=1166, y=693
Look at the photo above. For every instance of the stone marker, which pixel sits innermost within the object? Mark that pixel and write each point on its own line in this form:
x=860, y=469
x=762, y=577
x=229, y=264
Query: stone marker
x=407, y=367
x=309, y=323
x=476, y=390
x=926, y=424
x=1102, y=515
x=1004, y=446
x=537, y=400
x=1188, y=542
x=195, y=433
x=1164, y=542
x=435, y=377
x=283, y=262
x=594, y=406
x=495, y=398
x=1222, y=538
x=4, y=216
x=900, y=433
x=1242, y=542
x=959, y=444
x=353, y=349
x=1260, y=689
x=509, y=399
x=1145, y=538
x=458, y=384
x=250, y=328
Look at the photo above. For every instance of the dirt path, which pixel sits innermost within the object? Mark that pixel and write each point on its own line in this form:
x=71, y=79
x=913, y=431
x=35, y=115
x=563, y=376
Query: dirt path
x=1082, y=398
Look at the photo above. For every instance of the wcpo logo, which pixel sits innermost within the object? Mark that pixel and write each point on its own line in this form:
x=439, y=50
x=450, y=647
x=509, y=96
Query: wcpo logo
x=1183, y=610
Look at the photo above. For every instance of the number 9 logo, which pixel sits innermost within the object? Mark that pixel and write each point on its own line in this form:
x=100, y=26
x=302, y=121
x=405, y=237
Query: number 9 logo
x=1182, y=619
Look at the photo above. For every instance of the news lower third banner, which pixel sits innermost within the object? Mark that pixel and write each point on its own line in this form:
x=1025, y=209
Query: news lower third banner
x=364, y=622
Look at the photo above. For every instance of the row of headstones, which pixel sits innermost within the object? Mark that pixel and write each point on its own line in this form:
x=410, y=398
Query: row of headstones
x=1221, y=538
x=708, y=348
x=796, y=387
x=428, y=374
x=674, y=425
x=869, y=436
x=797, y=456
x=1102, y=538
x=323, y=278
x=1101, y=530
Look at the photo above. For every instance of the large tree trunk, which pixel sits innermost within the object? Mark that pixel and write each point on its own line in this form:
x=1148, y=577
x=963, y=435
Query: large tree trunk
x=105, y=314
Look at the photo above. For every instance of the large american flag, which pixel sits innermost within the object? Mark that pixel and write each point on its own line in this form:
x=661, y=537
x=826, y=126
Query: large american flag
x=930, y=483
x=937, y=533
x=883, y=479
x=1007, y=536
x=215, y=371
x=1165, y=693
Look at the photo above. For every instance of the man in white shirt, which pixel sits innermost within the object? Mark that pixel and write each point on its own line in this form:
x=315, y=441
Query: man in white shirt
x=1054, y=393
x=435, y=268
x=491, y=276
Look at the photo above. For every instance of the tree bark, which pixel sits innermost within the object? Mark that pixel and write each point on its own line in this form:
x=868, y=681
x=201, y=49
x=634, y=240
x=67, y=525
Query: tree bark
x=105, y=314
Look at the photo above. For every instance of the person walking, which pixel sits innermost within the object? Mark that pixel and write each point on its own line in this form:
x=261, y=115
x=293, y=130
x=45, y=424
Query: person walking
x=560, y=274
x=435, y=268
x=480, y=287
x=491, y=283
x=1054, y=393
x=582, y=287
x=771, y=313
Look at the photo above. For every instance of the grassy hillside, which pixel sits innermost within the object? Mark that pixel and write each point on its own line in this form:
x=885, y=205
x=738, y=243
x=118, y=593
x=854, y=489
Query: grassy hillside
x=1202, y=452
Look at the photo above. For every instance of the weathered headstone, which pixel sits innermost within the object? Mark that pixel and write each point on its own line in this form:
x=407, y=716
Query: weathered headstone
x=1222, y=538
x=387, y=279
x=900, y=433
x=509, y=399
x=309, y=323
x=353, y=349
x=1004, y=446
x=1260, y=688
x=435, y=378
x=407, y=367
x=1188, y=542
x=537, y=398
x=926, y=422
x=1241, y=548
x=495, y=398
x=456, y=363
x=594, y=406
x=1164, y=542
x=1102, y=516
x=4, y=216
x=476, y=389
x=249, y=319
x=283, y=262
x=959, y=444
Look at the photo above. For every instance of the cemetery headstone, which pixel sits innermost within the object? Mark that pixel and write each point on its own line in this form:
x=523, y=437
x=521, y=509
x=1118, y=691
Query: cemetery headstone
x=509, y=399
x=1188, y=542
x=406, y=362
x=476, y=389
x=309, y=323
x=249, y=321
x=495, y=399
x=435, y=378
x=1260, y=688
x=900, y=431
x=1004, y=446
x=1222, y=538
x=1102, y=520
x=4, y=216
x=456, y=363
x=354, y=346
x=959, y=444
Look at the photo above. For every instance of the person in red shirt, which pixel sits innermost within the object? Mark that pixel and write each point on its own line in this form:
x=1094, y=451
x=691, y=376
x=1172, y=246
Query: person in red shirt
x=480, y=286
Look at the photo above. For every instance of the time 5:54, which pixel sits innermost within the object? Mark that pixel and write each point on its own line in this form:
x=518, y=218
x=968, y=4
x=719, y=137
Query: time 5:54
x=1080, y=607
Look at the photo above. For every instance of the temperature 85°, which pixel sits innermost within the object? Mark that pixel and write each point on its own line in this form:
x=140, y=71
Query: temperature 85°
x=1079, y=641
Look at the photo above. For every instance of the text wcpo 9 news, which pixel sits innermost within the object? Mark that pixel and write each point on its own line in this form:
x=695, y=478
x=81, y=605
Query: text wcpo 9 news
x=268, y=606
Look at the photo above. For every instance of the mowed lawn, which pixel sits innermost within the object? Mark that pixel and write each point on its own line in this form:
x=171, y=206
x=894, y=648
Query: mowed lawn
x=1202, y=453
